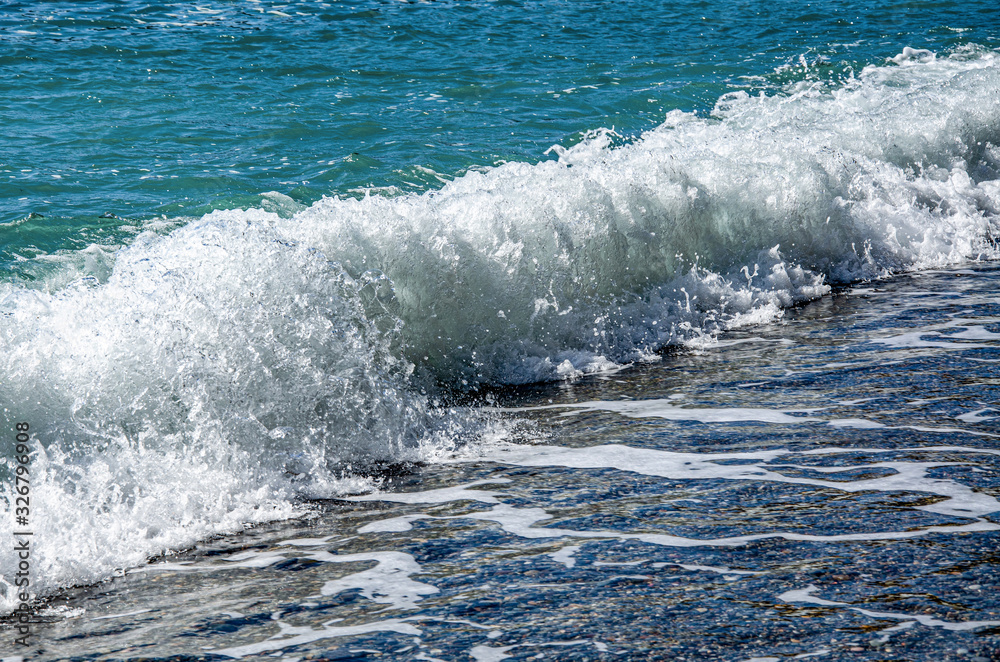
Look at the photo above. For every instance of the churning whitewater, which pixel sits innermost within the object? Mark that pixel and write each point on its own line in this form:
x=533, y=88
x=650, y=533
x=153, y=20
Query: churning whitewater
x=214, y=376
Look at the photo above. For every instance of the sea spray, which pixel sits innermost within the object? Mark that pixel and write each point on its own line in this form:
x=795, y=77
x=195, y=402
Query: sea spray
x=532, y=272
x=220, y=373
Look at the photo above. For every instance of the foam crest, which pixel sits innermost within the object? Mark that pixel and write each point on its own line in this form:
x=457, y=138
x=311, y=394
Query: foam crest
x=218, y=374
x=532, y=272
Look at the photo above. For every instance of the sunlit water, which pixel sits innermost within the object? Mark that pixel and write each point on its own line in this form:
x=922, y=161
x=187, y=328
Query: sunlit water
x=822, y=486
x=564, y=329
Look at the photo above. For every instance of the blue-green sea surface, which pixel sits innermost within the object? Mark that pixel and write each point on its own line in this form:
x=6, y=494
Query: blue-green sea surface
x=140, y=110
x=277, y=266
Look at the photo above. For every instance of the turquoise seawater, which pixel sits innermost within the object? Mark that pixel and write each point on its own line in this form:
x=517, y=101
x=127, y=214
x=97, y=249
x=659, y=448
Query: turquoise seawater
x=138, y=110
x=503, y=317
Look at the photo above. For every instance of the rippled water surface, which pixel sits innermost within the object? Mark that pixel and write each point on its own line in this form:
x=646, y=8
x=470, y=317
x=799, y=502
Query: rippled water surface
x=824, y=486
x=489, y=329
x=136, y=109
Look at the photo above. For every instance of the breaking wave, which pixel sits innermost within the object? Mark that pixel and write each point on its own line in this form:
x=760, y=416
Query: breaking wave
x=216, y=375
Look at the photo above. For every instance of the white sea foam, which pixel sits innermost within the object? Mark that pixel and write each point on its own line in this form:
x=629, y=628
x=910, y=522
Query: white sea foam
x=297, y=636
x=219, y=373
x=498, y=653
x=529, y=272
x=729, y=573
x=520, y=522
x=904, y=476
x=806, y=596
x=387, y=582
x=490, y=653
x=565, y=555
x=442, y=495
x=978, y=416
x=391, y=525
x=217, y=377
x=856, y=423
x=666, y=409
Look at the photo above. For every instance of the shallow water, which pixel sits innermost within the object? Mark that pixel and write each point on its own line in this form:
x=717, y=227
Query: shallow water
x=702, y=290
x=822, y=486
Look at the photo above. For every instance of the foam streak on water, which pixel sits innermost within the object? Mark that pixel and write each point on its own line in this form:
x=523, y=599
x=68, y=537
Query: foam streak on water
x=827, y=495
x=247, y=359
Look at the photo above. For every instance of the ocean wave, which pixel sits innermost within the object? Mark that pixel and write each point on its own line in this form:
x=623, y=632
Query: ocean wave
x=218, y=374
x=532, y=272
